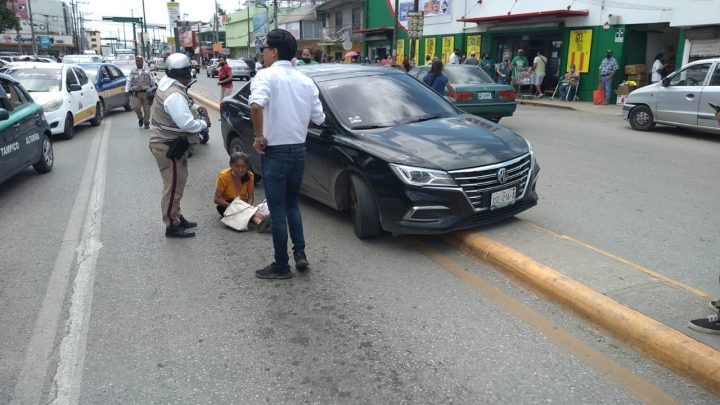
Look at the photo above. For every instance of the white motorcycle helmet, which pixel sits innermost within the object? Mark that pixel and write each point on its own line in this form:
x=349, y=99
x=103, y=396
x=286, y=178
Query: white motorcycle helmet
x=178, y=65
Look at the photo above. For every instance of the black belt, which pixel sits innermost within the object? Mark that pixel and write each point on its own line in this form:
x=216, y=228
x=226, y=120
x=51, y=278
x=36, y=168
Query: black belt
x=285, y=147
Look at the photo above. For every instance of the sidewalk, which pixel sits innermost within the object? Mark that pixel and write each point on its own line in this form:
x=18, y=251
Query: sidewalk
x=584, y=106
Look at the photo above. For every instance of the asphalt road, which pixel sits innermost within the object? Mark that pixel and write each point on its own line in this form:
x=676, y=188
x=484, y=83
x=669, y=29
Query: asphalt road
x=138, y=318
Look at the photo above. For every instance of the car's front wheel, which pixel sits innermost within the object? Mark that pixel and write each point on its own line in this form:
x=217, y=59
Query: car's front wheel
x=47, y=158
x=99, y=112
x=641, y=118
x=364, y=211
x=69, y=128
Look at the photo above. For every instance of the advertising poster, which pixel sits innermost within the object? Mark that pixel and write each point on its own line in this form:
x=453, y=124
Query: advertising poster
x=417, y=53
x=473, y=44
x=400, y=55
x=20, y=7
x=579, y=50
x=430, y=48
x=447, y=48
x=173, y=13
x=430, y=8
x=435, y=7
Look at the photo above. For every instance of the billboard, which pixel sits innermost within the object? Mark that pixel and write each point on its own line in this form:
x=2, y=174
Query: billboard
x=187, y=38
x=579, y=50
x=173, y=13
x=431, y=8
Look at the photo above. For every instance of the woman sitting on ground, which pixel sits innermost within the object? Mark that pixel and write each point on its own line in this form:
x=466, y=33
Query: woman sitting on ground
x=237, y=181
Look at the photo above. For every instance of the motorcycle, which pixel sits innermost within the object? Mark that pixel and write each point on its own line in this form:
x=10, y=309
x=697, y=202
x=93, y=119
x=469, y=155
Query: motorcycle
x=204, y=135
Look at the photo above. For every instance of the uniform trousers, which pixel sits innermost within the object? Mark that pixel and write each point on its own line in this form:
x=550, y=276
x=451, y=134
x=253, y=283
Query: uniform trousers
x=174, y=173
x=141, y=106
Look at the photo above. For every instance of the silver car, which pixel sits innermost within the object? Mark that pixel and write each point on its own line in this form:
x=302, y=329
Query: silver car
x=681, y=99
x=240, y=69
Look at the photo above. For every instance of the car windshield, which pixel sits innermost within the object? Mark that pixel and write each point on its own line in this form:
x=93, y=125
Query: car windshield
x=403, y=100
x=40, y=80
x=80, y=59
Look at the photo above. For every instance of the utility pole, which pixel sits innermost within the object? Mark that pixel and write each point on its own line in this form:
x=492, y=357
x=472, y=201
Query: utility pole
x=17, y=30
x=395, y=28
x=144, y=24
x=275, y=13
x=32, y=28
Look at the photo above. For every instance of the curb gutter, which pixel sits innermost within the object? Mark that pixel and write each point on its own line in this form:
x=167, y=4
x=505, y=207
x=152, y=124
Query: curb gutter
x=534, y=103
x=663, y=344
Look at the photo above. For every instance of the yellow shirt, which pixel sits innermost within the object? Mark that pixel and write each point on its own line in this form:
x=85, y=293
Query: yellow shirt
x=229, y=190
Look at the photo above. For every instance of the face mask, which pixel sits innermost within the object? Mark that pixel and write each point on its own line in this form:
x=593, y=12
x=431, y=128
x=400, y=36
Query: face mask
x=572, y=70
x=608, y=56
x=306, y=60
x=222, y=63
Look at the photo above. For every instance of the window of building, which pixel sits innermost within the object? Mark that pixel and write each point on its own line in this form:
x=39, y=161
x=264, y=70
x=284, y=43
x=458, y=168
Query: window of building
x=338, y=20
x=357, y=22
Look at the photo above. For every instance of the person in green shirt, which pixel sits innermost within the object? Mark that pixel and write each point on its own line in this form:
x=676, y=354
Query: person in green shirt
x=306, y=58
x=488, y=66
x=519, y=64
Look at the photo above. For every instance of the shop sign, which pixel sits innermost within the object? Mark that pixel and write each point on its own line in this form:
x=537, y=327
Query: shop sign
x=416, y=21
x=579, y=50
x=400, y=53
x=62, y=40
x=473, y=44
x=447, y=48
x=430, y=47
x=173, y=13
x=619, y=34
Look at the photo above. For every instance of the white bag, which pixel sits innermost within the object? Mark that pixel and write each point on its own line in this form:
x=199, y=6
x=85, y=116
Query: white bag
x=238, y=215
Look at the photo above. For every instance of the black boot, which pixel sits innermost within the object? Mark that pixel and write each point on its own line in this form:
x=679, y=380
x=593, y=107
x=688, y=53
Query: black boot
x=178, y=231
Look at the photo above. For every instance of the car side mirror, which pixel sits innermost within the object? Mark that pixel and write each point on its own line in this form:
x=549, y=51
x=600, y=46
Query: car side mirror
x=4, y=114
x=666, y=82
x=74, y=87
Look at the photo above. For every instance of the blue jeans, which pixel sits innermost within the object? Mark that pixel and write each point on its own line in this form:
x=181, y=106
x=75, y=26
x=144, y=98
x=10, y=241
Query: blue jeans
x=607, y=85
x=282, y=171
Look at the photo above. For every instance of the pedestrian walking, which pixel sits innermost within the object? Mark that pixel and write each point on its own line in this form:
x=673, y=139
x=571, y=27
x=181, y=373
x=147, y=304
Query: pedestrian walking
x=657, y=69
x=139, y=81
x=437, y=80
x=607, y=70
x=283, y=101
x=539, y=65
x=225, y=78
x=472, y=60
x=171, y=125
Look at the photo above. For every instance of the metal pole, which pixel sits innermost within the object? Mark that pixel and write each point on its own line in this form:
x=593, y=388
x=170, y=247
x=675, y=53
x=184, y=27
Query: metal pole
x=275, y=13
x=145, y=47
x=32, y=28
x=395, y=27
x=248, y=29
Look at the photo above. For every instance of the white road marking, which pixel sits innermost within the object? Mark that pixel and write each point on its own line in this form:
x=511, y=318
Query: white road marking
x=76, y=251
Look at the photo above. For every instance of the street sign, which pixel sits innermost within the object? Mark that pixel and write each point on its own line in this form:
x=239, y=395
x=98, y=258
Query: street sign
x=135, y=20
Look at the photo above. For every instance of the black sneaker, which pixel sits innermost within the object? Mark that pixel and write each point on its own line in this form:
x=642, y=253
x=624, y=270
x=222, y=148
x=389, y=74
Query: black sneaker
x=147, y=125
x=140, y=122
x=301, y=262
x=178, y=231
x=272, y=272
x=187, y=224
x=265, y=225
x=706, y=325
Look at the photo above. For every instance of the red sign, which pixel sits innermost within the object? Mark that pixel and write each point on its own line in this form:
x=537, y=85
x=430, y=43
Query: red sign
x=21, y=8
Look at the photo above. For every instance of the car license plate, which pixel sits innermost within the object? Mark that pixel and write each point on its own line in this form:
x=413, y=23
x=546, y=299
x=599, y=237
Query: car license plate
x=502, y=198
x=484, y=95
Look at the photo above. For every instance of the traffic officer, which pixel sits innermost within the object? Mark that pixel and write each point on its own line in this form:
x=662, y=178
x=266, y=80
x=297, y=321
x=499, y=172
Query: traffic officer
x=138, y=82
x=172, y=123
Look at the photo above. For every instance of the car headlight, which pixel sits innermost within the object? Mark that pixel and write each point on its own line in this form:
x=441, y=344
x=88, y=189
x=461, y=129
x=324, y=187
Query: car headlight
x=532, y=154
x=53, y=105
x=418, y=176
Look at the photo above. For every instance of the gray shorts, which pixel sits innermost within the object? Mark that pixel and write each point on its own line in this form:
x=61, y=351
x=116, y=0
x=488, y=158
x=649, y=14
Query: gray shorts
x=538, y=79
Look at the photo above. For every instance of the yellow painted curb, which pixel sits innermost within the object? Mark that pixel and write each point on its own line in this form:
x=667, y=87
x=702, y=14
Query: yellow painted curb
x=202, y=100
x=665, y=345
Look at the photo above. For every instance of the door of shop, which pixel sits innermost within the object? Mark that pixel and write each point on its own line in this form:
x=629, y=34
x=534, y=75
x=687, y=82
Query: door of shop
x=550, y=44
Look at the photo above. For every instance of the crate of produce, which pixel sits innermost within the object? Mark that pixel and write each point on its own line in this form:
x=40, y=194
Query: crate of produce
x=635, y=69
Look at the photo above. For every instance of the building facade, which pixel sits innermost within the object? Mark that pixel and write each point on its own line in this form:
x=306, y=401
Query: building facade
x=342, y=23
x=682, y=30
x=51, y=22
x=92, y=41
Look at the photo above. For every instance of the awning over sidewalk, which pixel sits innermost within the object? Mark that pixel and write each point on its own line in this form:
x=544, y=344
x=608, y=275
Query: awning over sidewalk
x=527, y=16
x=373, y=30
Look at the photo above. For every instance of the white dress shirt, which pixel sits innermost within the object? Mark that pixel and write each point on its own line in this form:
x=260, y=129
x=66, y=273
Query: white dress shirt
x=289, y=100
x=179, y=110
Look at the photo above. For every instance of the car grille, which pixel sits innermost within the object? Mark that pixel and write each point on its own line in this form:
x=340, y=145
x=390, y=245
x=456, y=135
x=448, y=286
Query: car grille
x=480, y=182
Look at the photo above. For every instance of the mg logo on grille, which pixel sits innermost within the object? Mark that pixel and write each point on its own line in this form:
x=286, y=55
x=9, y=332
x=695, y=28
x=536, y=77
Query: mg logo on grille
x=502, y=175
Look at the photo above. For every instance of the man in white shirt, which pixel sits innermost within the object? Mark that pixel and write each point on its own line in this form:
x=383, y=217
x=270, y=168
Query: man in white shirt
x=172, y=123
x=454, y=57
x=657, y=68
x=286, y=100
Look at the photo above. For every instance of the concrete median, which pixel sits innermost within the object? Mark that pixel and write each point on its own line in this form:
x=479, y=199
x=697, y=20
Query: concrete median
x=665, y=345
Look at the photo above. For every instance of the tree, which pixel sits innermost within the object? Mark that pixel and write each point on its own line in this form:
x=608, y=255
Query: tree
x=8, y=19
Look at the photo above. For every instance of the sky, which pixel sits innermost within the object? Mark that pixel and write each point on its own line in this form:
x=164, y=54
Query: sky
x=155, y=11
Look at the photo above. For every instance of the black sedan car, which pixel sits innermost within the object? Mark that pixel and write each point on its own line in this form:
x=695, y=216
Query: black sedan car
x=400, y=157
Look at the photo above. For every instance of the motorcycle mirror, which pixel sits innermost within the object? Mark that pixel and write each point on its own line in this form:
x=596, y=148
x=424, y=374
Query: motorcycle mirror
x=191, y=83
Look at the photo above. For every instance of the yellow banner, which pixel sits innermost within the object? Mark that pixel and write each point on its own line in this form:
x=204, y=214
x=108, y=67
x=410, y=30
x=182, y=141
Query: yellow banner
x=579, y=50
x=400, y=57
x=430, y=48
x=473, y=44
x=447, y=48
x=417, y=52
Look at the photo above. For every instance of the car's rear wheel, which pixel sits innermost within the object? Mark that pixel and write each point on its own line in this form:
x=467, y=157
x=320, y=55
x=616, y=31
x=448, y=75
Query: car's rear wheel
x=641, y=118
x=99, y=112
x=69, y=128
x=47, y=158
x=364, y=211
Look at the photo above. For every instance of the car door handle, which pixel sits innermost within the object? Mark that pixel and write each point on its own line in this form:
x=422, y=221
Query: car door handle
x=690, y=95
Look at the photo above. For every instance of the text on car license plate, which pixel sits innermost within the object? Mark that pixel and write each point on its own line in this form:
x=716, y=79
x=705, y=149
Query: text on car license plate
x=502, y=198
x=484, y=95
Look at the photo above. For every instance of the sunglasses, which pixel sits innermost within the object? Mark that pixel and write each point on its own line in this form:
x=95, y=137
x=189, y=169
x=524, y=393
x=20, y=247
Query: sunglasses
x=264, y=47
